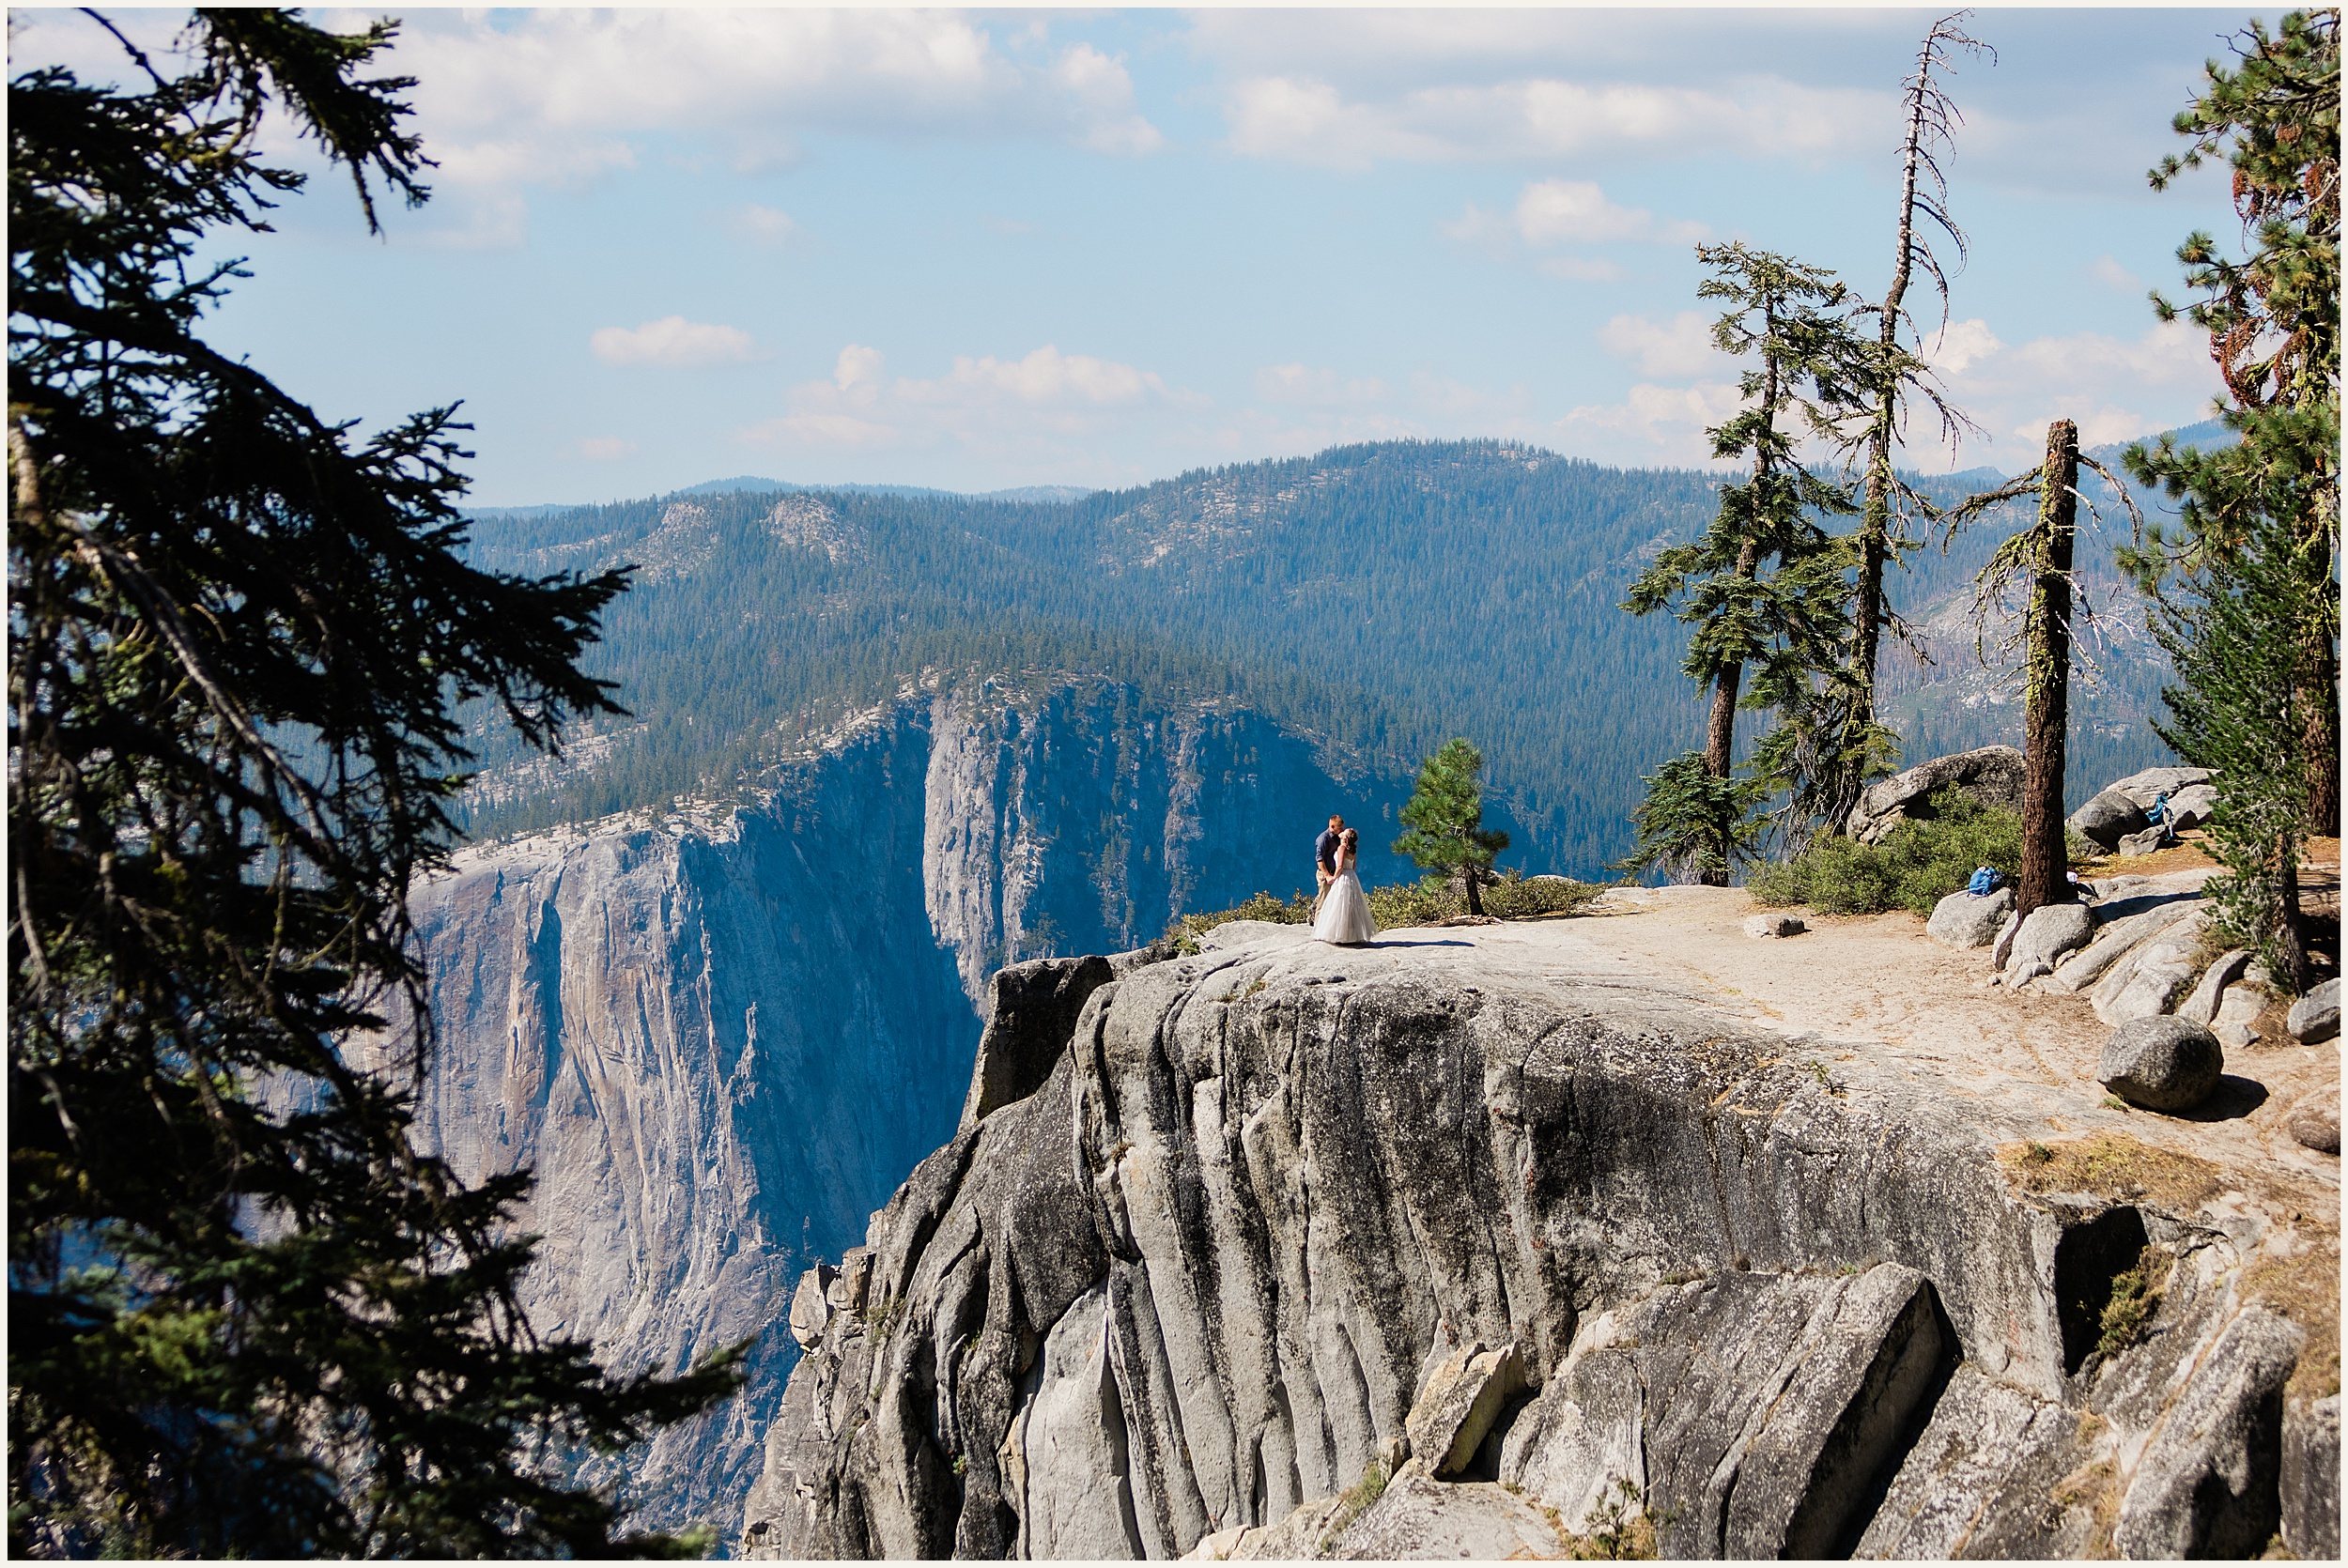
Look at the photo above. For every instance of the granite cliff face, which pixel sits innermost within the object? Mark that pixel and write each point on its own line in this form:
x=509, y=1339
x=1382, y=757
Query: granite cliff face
x=721, y=1036
x=1221, y=1237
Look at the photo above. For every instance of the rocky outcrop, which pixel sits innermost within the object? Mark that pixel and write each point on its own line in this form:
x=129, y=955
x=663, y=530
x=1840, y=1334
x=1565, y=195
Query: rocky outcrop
x=720, y=1036
x=1991, y=775
x=1281, y=1213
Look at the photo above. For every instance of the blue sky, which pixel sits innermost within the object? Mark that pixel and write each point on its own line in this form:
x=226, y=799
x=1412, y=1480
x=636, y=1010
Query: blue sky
x=976, y=250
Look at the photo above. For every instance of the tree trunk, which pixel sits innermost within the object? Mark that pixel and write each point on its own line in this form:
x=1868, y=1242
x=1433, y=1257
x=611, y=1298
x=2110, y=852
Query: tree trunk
x=1875, y=548
x=2290, y=936
x=1476, y=903
x=2319, y=701
x=1720, y=731
x=2043, y=878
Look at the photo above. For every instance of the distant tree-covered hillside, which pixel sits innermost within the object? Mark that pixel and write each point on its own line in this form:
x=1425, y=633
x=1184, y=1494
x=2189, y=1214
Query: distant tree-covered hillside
x=1381, y=598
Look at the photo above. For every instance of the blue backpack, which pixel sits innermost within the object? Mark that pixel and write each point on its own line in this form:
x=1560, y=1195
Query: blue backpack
x=1983, y=884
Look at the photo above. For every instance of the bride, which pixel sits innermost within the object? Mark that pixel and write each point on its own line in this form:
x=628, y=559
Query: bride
x=1344, y=911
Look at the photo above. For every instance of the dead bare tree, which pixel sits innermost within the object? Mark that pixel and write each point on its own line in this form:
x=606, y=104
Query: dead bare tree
x=1932, y=118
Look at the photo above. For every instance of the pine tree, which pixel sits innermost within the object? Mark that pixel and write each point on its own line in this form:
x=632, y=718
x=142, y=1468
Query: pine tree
x=1443, y=820
x=2235, y=638
x=2248, y=590
x=1692, y=824
x=2273, y=320
x=1814, y=373
x=247, y=1317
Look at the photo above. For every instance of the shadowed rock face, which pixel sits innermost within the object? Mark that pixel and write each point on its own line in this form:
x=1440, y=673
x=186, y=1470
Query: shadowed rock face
x=1197, y=1283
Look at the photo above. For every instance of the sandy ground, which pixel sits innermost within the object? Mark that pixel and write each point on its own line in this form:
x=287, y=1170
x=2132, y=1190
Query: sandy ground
x=1877, y=986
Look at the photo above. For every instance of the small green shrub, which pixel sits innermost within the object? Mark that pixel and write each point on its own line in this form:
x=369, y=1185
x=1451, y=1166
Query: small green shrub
x=1917, y=864
x=1369, y=1489
x=2134, y=1301
x=1514, y=896
x=1622, y=1528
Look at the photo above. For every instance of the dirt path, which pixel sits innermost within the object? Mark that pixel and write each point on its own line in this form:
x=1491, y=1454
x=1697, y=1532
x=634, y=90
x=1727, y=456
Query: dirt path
x=1877, y=986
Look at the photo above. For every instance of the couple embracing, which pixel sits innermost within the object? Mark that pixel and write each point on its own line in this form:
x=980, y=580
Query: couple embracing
x=1343, y=916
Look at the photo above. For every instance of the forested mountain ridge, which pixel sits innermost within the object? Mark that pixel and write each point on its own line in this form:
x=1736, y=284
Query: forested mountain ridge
x=1378, y=598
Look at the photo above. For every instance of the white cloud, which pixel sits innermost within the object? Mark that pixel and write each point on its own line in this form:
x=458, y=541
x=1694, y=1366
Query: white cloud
x=1044, y=376
x=1680, y=347
x=1045, y=407
x=763, y=225
x=1306, y=119
x=603, y=449
x=1568, y=212
x=1101, y=96
x=565, y=97
x=2114, y=388
x=1651, y=425
x=673, y=343
x=1958, y=345
x=857, y=372
x=1576, y=212
x=1299, y=384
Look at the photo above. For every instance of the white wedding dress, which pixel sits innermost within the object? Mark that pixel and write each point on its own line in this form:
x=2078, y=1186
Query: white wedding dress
x=1344, y=912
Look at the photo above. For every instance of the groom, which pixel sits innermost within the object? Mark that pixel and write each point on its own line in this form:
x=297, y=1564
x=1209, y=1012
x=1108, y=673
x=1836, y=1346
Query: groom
x=1326, y=859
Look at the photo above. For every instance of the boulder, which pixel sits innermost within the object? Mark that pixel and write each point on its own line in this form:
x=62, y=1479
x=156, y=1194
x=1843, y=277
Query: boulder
x=2150, y=979
x=2048, y=934
x=1990, y=774
x=2311, y=1483
x=1464, y=1397
x=809, y=1308
x=2147, y=843
x=2316, y=1015
x=846, y=1292
x=2149, y=786
x=2033, y=969
x=2107, y=818
x=2314, y=1119
x=2202, y=1007
x=2161, y=1063
x=1775, y=925
x=2236, y=1011
x=2209, y=1483
x=2190, y=806
x=1969, y=920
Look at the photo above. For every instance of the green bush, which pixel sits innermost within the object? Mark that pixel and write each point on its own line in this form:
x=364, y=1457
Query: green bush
x=1916, y=865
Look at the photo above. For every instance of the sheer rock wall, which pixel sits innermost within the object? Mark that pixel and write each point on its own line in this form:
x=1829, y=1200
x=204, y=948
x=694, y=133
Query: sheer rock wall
x=719, y=1037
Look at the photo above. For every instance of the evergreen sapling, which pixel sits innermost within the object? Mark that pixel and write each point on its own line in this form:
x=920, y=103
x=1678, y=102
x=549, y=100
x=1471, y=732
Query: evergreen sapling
x=1443, y=820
